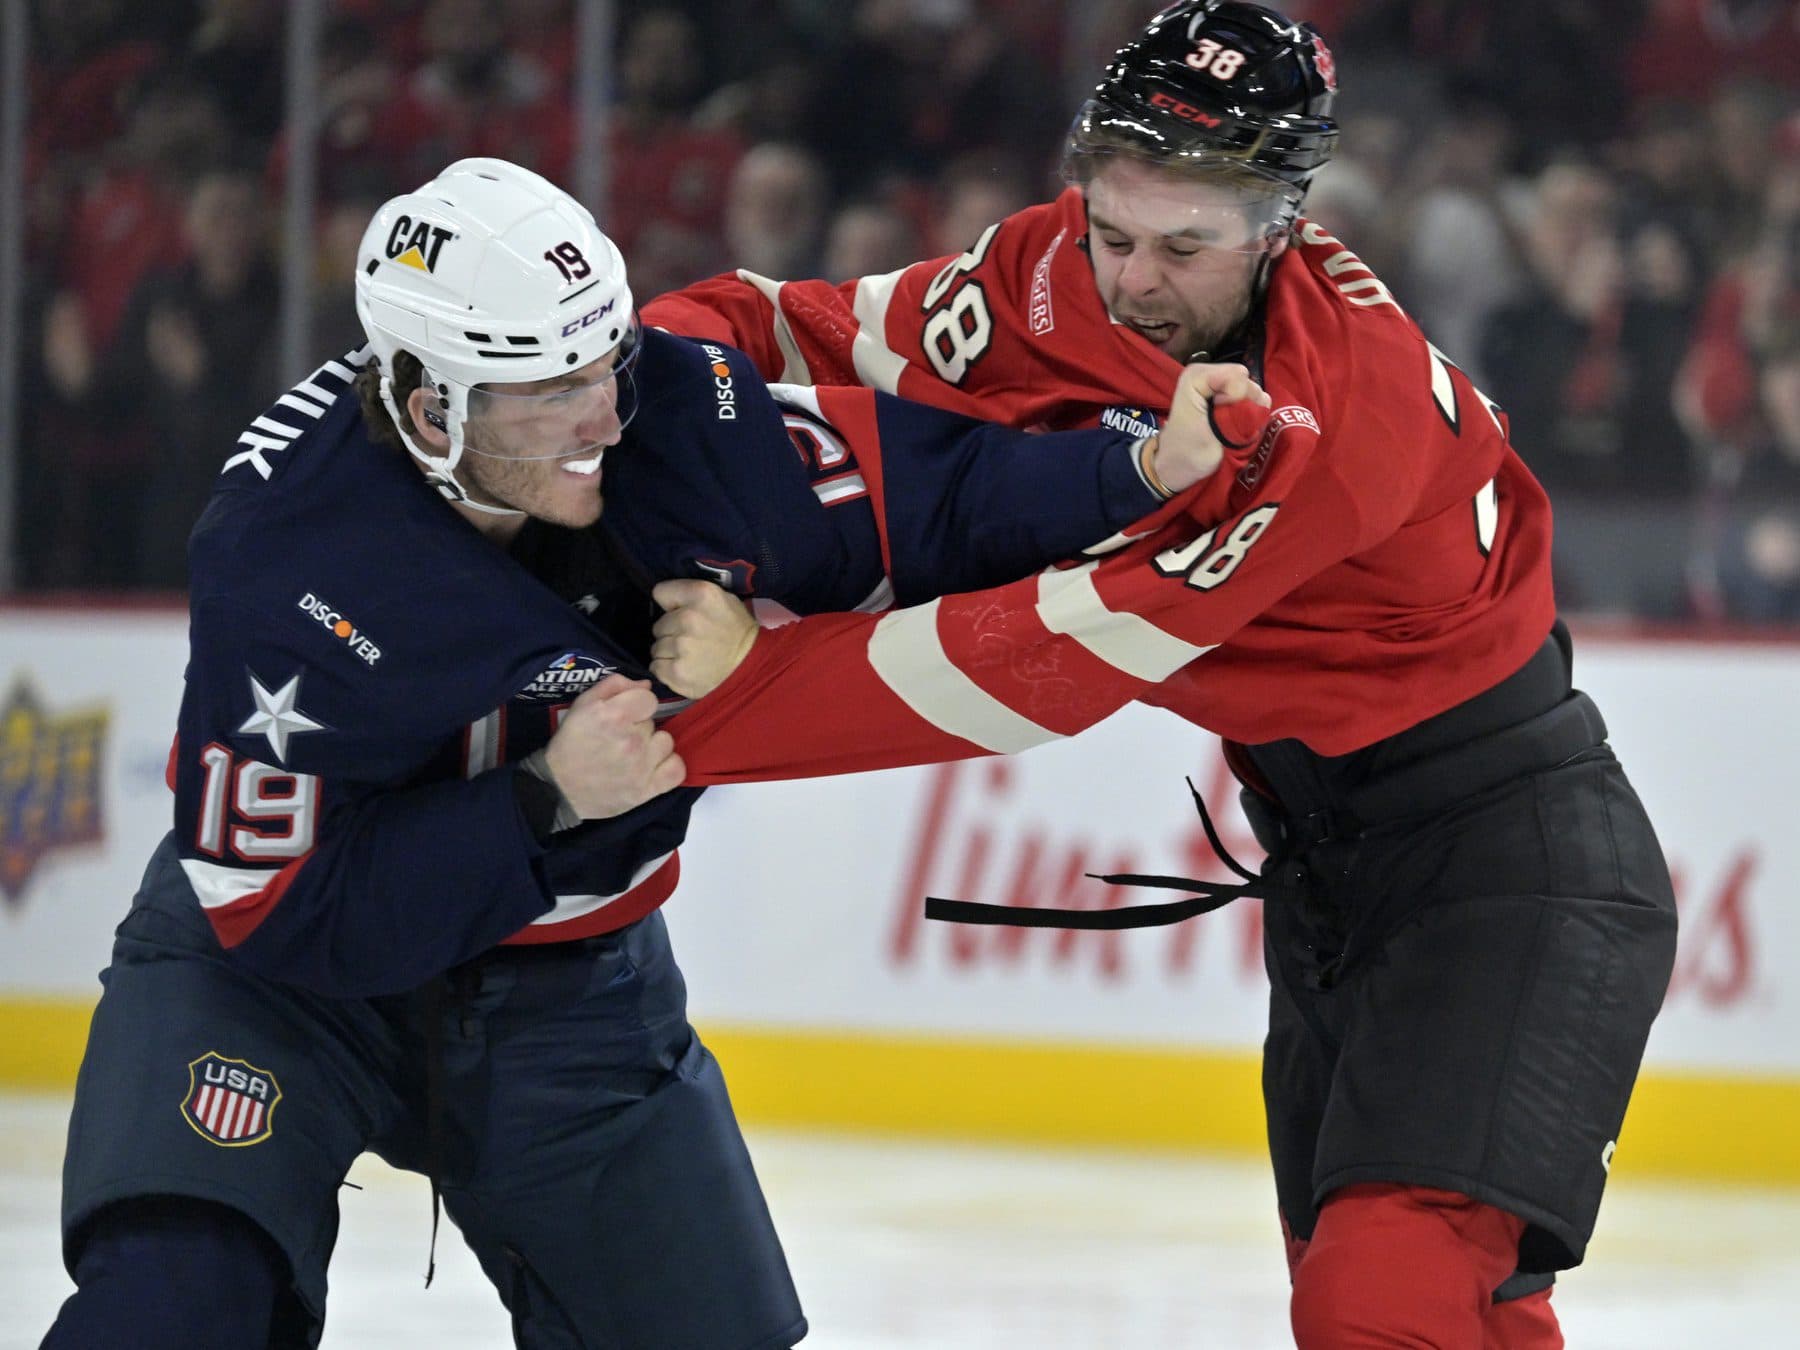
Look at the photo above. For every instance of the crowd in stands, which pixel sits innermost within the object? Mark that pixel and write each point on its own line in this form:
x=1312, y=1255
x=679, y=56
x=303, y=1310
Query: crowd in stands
x=1593, y=206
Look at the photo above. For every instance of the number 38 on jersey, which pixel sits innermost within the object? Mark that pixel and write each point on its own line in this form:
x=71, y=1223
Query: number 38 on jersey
x=957, y=335
x=1207, y=564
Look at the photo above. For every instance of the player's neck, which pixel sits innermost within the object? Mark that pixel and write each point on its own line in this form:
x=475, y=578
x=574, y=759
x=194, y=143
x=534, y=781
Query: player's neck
x=501, y=530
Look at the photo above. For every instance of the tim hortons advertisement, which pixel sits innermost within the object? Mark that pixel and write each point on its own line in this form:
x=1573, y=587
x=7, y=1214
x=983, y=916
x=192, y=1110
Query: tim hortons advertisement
x=801, y=903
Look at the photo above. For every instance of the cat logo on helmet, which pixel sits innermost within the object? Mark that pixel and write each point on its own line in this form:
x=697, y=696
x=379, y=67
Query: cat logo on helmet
x=416, y=245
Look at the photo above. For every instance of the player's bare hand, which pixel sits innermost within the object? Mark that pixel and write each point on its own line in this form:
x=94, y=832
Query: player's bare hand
x=704, y=634
x=1188, y=447
x=607, y=755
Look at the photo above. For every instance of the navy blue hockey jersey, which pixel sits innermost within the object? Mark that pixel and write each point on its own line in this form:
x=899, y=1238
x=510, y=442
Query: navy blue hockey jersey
x=364, y=663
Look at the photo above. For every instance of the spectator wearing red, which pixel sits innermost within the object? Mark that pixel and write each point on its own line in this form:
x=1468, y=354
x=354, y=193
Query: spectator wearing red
x=475, y=96
x=666, y=173
x=1691, y=48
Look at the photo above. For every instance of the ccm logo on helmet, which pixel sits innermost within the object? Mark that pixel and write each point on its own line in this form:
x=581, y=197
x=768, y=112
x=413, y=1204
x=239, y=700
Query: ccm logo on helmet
x=417, y=245
x=592, y=316
x=1187, y=112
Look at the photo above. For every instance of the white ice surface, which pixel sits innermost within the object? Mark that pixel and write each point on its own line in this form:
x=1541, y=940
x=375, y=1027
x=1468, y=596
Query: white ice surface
x=909, y=1246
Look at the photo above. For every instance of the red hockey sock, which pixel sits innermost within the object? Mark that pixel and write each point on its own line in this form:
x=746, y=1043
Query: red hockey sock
x=1393, y=1267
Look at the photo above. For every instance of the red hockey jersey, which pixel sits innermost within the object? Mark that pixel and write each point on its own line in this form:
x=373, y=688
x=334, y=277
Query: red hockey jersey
x=1380, y=554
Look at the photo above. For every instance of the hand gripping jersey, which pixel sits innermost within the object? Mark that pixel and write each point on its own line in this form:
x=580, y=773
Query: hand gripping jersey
x=1378, y=555
x=364, y=663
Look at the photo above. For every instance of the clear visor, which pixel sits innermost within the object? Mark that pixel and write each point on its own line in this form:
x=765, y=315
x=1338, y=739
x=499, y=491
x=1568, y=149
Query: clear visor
x=578, y=416
x=1133, y=197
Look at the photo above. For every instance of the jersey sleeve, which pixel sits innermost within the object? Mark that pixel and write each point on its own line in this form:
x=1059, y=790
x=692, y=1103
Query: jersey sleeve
x=1013, y=330
x=738, y=309
x=1001, y=670
x=904, y=332
x=717, y=481
x=961, y=504
x=843, y=498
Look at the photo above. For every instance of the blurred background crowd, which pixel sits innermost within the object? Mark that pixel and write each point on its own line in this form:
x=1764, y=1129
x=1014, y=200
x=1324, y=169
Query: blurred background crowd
x=1593, y=206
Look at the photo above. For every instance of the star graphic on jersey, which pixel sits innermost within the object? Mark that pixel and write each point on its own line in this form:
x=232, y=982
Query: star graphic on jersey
x=276, y=716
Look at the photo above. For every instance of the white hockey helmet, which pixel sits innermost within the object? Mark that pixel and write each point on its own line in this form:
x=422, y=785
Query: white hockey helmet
x=489, y=273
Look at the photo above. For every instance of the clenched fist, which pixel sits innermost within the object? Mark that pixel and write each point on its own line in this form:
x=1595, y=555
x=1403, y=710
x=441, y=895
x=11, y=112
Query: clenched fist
x=1188, y=447
x=704, y=634
x=607, y=756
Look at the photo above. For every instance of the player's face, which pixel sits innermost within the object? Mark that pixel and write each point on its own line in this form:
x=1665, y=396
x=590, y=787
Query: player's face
x=1175, y=260
x=537, y=447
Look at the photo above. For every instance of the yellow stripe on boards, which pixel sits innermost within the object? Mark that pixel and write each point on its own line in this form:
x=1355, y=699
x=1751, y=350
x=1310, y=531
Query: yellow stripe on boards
x=1709, y=1127
x=41, y=1041
x=1712, y=1128
x=999, y=1090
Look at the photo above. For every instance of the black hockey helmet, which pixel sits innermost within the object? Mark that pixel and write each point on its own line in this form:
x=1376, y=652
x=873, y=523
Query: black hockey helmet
x=1215, y=83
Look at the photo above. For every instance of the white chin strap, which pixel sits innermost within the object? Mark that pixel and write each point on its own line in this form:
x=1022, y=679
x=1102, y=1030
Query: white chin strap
x=441, y=469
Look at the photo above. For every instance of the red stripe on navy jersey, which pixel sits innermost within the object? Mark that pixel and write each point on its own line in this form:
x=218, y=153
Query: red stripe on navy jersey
x=234, y=922
x=628, y=908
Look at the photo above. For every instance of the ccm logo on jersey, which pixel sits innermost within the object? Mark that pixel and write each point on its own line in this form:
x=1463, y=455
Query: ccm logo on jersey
x=340, y=627
x=418, y=245
x=722, y=389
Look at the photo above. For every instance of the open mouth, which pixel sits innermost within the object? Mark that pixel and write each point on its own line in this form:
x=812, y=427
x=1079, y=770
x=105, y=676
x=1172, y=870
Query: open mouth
x=584, y=468
x=1157, y=331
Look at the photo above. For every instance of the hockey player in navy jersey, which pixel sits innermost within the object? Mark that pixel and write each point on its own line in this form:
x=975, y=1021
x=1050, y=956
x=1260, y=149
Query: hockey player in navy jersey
x=423, y=816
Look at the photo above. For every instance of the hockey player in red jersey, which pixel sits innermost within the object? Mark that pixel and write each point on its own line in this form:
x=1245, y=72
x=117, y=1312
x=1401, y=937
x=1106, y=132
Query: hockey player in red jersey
x=1470, y=924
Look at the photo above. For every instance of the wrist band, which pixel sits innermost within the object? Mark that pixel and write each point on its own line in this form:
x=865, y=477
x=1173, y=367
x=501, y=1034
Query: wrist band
x=1147, y=453
x=535, y=787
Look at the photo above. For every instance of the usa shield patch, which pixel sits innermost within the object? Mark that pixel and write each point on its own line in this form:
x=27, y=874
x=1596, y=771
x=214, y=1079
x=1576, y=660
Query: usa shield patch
x=228, y=1101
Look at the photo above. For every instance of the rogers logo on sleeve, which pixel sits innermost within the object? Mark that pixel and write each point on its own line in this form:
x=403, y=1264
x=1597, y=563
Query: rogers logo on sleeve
x=1043, y=318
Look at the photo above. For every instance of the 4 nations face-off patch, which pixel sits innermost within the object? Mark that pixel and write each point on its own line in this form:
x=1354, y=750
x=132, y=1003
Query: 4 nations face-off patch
x=230, y=1102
